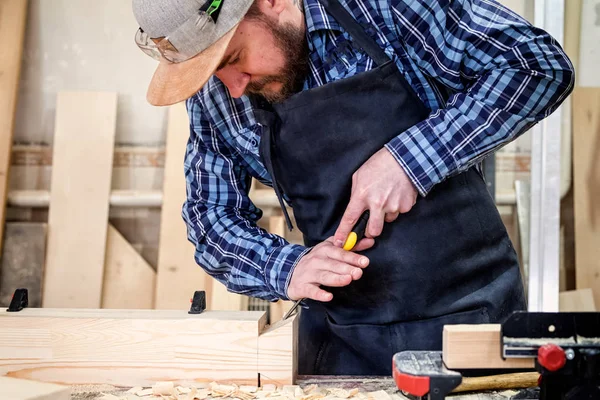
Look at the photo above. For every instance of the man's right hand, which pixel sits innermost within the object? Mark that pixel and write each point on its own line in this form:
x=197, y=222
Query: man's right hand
x=326, y=265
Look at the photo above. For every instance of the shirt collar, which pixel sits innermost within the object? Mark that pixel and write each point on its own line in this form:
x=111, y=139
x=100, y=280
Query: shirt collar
x=317, y=18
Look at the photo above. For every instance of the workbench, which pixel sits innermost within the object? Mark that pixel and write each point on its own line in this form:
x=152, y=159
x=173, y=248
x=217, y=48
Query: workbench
x=364, y=384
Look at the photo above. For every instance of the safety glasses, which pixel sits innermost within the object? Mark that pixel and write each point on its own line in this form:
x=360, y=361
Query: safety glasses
x=163, y=47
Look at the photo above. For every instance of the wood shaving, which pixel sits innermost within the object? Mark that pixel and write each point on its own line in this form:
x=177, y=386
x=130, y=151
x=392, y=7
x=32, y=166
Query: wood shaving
x=106, y=396
x=183, y=390
x=214, y=390
x=379, y=395
x=163, y=389
x=269, y=388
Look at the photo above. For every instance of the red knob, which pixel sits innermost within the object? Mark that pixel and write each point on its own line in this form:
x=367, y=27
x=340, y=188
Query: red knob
x=552, y=357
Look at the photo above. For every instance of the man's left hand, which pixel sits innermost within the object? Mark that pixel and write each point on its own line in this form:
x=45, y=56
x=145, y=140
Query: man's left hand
x=381, y=186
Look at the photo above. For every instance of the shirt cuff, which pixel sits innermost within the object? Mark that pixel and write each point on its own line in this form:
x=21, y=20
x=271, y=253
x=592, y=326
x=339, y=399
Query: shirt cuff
x=280, y=265
x=423, y=156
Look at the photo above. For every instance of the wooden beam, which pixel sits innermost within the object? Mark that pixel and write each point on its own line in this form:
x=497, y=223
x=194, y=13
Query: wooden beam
x=13, y=16
x=589, y=56
x=223, y=300
x=178, y=274
x=278, y=353
x=581, y=300
x=477, y=346
x=573, y=32
x=20, y=389
x=586, y=177
x=278, y=309
x=84, y=137
x=129, y=281
x=130, y=347
x=23, y=258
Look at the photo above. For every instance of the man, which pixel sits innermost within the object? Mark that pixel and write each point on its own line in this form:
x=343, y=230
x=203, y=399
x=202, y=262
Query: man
x=348, y=106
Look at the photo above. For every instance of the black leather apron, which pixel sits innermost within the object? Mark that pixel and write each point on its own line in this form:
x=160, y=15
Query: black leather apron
x=449, y=260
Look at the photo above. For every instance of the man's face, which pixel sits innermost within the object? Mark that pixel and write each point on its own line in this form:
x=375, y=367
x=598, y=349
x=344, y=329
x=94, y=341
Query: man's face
x=265, y=57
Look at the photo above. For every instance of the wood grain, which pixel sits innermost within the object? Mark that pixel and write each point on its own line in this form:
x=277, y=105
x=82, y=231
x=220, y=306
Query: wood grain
x=581, y=300
x=278, y=353
x=13, y=16
x=178, y=275
x=78, y=214
x=20, y=389
x=223, y=300
x=476, y=346
x=519, y=380
x=23, y=259
x=586, y=177
x=130, y=347
x=129, y=281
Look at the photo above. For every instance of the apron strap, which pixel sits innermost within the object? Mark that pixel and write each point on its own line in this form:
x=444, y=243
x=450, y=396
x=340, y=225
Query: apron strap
x=268, y=119
x=357, y=32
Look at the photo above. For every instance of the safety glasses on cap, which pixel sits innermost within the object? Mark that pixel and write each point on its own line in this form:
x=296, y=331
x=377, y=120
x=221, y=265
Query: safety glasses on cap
x=157, y=47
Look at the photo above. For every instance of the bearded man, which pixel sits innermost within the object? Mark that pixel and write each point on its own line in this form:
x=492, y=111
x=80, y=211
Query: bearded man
x=350, y=109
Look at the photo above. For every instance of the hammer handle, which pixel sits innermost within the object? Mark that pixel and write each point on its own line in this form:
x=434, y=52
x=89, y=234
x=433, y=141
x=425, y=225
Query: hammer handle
x=499, y=382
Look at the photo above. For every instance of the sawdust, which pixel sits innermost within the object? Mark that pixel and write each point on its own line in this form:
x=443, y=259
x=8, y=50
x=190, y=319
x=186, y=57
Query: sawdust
x=216, y=391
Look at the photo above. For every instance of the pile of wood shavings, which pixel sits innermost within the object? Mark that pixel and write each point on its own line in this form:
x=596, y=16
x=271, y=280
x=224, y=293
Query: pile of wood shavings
x=168, y=391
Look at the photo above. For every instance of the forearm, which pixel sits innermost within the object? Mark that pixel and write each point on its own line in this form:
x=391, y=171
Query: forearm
x=506, y=74
x=234, y=250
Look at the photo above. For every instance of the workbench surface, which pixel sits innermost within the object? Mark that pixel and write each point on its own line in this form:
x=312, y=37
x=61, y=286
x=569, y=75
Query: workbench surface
x=364, y=384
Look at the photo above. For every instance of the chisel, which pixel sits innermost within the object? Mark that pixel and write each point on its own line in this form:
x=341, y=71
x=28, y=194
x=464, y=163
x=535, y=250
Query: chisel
x=354, y=237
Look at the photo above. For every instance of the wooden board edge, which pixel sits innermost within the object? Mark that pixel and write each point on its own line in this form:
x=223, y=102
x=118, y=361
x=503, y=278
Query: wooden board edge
x=25, y=389
x=277, y=361
x=483, y=348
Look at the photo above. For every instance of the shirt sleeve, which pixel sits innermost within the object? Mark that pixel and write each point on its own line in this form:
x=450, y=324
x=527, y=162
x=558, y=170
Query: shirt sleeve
x=222, y=221
x=506, y=75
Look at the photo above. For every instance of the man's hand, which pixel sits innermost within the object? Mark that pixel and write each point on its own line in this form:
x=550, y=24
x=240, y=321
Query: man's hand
x=381, y=186
x=325, y=265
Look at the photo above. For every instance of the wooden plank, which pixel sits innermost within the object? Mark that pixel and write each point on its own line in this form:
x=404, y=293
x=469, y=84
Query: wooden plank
x=21, y=389
x=477, y=346
x=278, y=353
x=129, y=281
x=13, y=15
x=178, y=275
x=589, y=52
x=581, y=300
x=278, y=309
x=130, y=347
x=573, y=32
x=23, y=261
x=84, y=137
x=222, y=300
x=586, y=186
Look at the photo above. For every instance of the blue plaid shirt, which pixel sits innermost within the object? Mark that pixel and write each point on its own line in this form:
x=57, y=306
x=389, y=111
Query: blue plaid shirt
x=500, y=75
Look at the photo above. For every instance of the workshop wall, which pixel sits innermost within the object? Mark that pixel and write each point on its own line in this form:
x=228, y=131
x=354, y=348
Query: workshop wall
x=85, y=45
x=88, y=45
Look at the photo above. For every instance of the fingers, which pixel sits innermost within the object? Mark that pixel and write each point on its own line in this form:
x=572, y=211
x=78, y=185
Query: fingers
x=349, y=219
x=375, y=225
x=341, y=268
x=364, y=244
x=328, y=278
x=347, y=257
x=391, y=217
x=316, y=293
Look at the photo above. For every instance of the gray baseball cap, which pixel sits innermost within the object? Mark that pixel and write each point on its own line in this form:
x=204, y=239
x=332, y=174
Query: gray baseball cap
x=189, y=37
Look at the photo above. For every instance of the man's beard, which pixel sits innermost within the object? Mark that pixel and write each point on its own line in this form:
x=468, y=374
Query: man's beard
x=291, y=41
